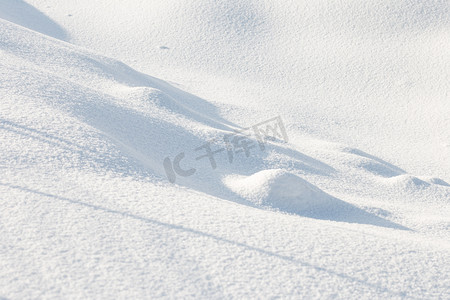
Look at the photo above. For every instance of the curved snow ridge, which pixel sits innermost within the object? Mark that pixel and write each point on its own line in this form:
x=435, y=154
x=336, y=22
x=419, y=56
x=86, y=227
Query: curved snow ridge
x=369, y=163
x=285, y=191
x=145, y=118
x=110, y=77
x=26, y=15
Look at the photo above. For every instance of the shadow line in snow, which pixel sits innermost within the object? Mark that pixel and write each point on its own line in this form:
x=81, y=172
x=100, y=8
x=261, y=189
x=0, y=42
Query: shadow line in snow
x=290, y=259
x=42, y=136
x=89, y=156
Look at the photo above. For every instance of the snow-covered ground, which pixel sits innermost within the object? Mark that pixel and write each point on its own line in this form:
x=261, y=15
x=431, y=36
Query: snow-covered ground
x=327, y=122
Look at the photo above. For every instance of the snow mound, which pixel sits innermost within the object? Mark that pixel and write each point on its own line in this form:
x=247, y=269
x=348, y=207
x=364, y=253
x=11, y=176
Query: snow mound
x=409, y=183
x=288, y=192
x=279, y=189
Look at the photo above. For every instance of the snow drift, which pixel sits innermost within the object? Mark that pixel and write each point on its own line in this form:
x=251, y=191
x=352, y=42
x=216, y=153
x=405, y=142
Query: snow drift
x=96, y=95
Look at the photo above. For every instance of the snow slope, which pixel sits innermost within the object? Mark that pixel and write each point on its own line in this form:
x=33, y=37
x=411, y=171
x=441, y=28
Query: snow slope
x=355, y=205
x=368, y=74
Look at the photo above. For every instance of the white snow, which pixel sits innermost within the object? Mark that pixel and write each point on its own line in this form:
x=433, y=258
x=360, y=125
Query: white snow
x=100, y=98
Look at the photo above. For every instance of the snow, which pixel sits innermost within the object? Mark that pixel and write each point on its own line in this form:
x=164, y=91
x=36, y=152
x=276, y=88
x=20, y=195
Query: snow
x=108, y=110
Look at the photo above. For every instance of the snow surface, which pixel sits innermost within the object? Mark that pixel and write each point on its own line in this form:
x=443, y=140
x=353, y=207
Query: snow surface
x=98, y=98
